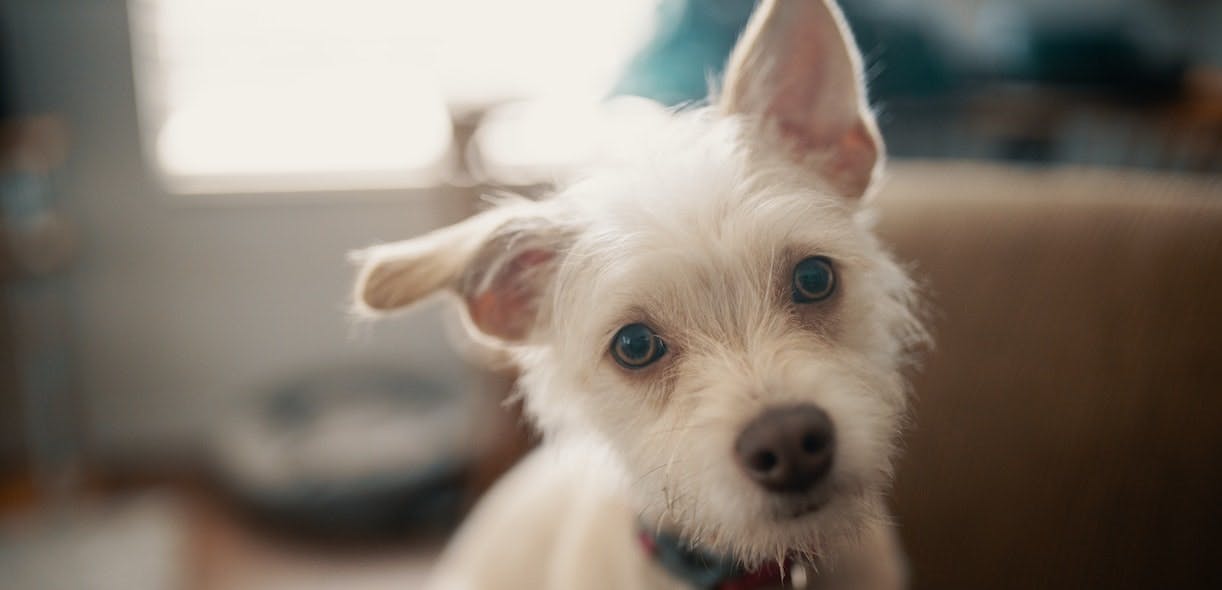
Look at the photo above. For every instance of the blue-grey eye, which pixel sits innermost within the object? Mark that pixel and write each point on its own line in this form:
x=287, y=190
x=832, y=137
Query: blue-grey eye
x=813, y=280
x=635, y=346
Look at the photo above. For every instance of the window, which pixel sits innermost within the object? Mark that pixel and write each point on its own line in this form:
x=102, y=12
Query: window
x=286, y=95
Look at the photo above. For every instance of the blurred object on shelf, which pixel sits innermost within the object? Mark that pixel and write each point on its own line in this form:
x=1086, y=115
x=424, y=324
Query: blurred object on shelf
x=1029, y=124
x=1120, y=83
x=37, y=245
x=687, y=51
x=354, y=452
x=38, y=239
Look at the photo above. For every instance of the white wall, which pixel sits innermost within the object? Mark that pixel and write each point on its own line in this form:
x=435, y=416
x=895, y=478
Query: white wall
x=184, y=307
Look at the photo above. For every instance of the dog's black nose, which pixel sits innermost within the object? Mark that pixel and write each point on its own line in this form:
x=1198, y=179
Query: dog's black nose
x=788, y=448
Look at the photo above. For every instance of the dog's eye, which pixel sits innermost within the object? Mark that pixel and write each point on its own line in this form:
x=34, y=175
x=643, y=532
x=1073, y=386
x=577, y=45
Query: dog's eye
x=813, y=280
x=635, y=346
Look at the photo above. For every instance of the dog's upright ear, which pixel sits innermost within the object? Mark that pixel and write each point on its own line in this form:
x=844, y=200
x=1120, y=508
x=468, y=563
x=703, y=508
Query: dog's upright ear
x=500, y=263
x=797, y=69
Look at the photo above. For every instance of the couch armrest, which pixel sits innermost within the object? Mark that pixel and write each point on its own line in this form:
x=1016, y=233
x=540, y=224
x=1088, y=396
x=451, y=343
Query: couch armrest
x=1068, y=425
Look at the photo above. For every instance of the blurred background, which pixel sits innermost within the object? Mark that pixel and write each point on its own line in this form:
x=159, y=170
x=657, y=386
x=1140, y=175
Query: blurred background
x=186, y=403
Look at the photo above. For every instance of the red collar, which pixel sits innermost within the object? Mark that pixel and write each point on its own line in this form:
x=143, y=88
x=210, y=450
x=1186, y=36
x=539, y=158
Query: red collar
x=706, y=571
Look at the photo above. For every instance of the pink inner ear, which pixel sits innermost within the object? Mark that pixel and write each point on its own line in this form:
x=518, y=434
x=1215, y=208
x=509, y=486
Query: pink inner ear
x=853, y=159
x=507, y=306
x=798, y=69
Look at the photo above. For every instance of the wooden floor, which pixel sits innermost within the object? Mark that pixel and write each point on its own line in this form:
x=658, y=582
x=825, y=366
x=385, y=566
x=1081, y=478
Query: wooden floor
x=172, y=537
x=232, y=555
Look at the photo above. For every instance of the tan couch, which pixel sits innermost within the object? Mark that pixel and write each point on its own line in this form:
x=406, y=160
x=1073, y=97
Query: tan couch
x=1068, y=427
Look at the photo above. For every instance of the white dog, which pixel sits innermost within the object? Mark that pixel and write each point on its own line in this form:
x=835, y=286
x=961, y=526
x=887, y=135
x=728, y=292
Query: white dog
x=710, y=337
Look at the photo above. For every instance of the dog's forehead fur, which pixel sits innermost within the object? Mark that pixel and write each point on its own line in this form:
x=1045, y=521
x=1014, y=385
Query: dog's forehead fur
x=693, y=220
x=695, y=172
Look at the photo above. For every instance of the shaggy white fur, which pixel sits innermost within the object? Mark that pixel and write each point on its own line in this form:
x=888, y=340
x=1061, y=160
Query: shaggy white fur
x=694, y=231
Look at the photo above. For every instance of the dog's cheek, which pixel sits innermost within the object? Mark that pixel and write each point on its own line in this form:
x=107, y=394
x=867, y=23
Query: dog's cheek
x=541, y=386
x=867, y=425
x=682, y=455
x=711, y=476
x=862, y=314
x=880, y=316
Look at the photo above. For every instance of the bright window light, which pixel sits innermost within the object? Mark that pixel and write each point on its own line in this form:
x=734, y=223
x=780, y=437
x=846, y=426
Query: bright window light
x=287, y=95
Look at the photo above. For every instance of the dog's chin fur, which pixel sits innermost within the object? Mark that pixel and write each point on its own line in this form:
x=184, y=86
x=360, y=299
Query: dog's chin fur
x=694, y=230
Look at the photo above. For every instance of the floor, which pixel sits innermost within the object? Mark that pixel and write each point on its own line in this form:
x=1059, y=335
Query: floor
x=175, y=539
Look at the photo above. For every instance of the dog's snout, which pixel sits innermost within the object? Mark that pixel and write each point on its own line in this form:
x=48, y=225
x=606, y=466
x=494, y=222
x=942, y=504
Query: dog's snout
x=787, y=449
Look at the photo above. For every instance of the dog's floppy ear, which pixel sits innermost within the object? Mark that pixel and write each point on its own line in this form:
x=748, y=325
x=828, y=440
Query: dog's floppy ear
x=499, y=262
x=797, y=68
